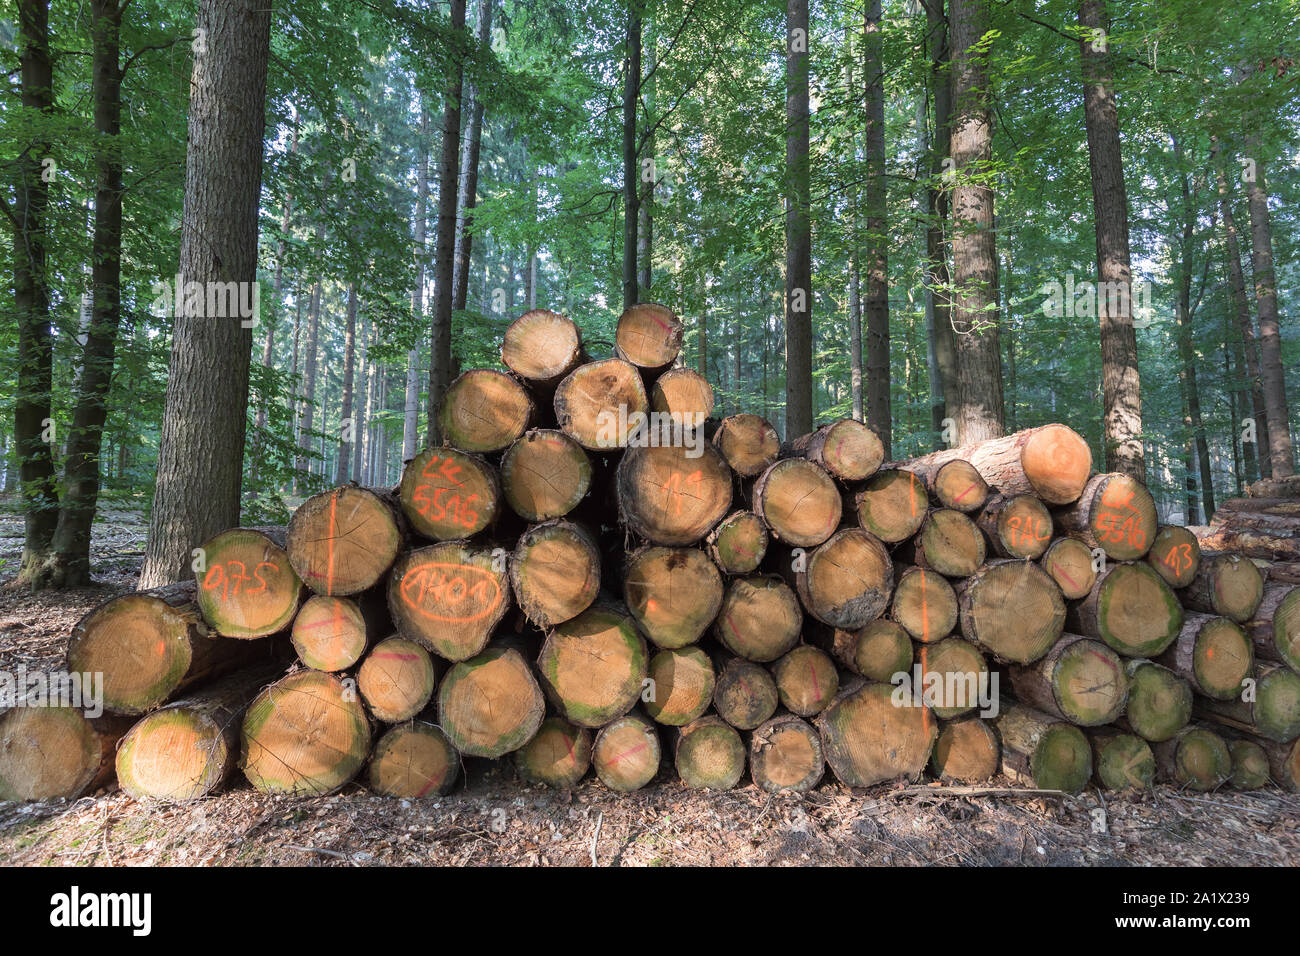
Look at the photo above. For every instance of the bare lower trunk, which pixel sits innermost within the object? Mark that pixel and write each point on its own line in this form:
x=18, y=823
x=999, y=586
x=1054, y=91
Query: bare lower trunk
x=798, y=226
x=876, y=305
x=411, y=410
x=347, y=425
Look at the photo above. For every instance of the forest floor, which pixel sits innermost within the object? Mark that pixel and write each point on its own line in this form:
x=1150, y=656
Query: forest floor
x=491, y=819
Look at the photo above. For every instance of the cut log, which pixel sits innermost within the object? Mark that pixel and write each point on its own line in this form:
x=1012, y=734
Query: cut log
x=490, y=705
x=683, y=393
x=447, y=493
x=484, y=410
x=806, y=680
x=342, y=541
x=1079, y=680
x=760, y=618
x=674, y=593
x=1159, y=701
x=247, y=587
x=555, y=572
x=1283, y=764
x=1249, y=765
x=593, y=668
x=559, y=756
x=601, y=404
x=1225, y=584
x=1256, y=528
x=1114, y=512
x=680, y=686
x=847, y=449
x=1275, y=629
x=966, y=751
x=952, y=484
x=798, y=502
x=188, y=749
x=1273, y=714
x=648, y=335
x=1069, y=562
x=953, y=677
x=1018, y=526
x=868, y=739
x=749, y=444
x=891, y=505
x=1122, y=761
x=329, y=633
x=744, y=693
x=1176, y=554
x=877, y=652
x=739, y=542
x=1197, y=758
x=626, y=753
x=413, y=760
x=1130, y=608
x=542, y=347
x=1212, y=654
x=785, y=753
x=1281, y=572
x=669, y=497
x=1050, y=461
x=449, y=597
x=544, y=475
x=847, y=581
x=278, y=757
x=1012, y=609
x=948, y=542
x=1043, y=752
x=150, y=645
x=925, y=604
x=56, y=752
x=396, y=680
x=709, y=755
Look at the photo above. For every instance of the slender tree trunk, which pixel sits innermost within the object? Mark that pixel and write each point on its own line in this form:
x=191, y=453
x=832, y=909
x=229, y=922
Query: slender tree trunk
x=978, y=407
x=798, y=226
x=297, y=349
x=1120, y=382
x=702, y=357
x=32, y=411
x=1272, y=375
x=1255, y=463
x=530, y=261
x=649, y=177
x=1230, y=386
x=631, y=194
x=943, y=363
x=411, y=410
x=448, y=185
x=362, y=389
x=347, y=424
x=71, y=564
x=879, y=412
x=468, y=197
x=201, y=451
x=306, y=440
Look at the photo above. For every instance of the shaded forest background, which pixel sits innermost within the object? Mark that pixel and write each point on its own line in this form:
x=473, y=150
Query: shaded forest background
x=437, y=169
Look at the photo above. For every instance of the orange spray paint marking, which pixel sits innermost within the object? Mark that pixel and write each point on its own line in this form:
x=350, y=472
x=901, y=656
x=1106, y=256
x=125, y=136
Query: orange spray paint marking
x=395, y=656
x=628, y=753
x=329, y=573
x=1057, y=569
x=968, y=490
x=925, y=616
x=817, y=686
x=427, y=787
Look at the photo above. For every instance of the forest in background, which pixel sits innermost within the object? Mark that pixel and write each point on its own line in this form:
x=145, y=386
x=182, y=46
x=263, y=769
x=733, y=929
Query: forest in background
x=895, y=211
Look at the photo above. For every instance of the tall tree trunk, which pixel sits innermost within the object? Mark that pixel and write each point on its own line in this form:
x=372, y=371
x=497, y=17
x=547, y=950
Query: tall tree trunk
x=1120, y=382
x=876, y=307
x=448, y=186
x=702, y=356
x=201, y=451
x=468, y=197
x=943, y=361
x=1256, y=453
x=306, y=440
x=650, y=177
x=631, y=194
x=411, y=410
x=297, y=350
x=530, y=250
x=362, y=390
x=978, y=409
x=798, y=226
x=32, y=413
x=347, y=424
x=71, y=564
x=1272, y=375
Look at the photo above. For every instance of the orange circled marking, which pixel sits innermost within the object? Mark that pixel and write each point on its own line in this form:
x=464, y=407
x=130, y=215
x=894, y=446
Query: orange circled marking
x=416, y=579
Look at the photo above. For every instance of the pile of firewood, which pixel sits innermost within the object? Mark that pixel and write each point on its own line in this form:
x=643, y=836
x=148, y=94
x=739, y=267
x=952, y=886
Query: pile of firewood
x=592, y=572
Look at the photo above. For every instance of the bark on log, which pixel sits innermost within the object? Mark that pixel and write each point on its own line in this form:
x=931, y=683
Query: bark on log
x=1212, y=654
x=1275, y=628
x=848, y=450
x=785, y=753
x=1255, y=528
x=1078, y=680
x=1114, y=512
x=1130, y=608
x=1043, y=752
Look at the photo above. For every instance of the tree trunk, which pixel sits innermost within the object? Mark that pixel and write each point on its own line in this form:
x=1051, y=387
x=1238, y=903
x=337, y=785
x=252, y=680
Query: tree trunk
x=310, y=349
x=1121, y=393
x=468, y=193
x=1272, y=374
x=1042, y=751
x=977, y=410
x=943, y=384
x=631, y=191
x=649, y=177
x=876, y=304
x=411, y=409
x=347, y=423
x=32, y=408
x=798, y=225
x=201, y=450
x=82, y=465
x=448, y=186
x=362, y=389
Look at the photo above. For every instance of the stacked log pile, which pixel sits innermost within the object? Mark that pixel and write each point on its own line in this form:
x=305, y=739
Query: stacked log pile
x=592, y=574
